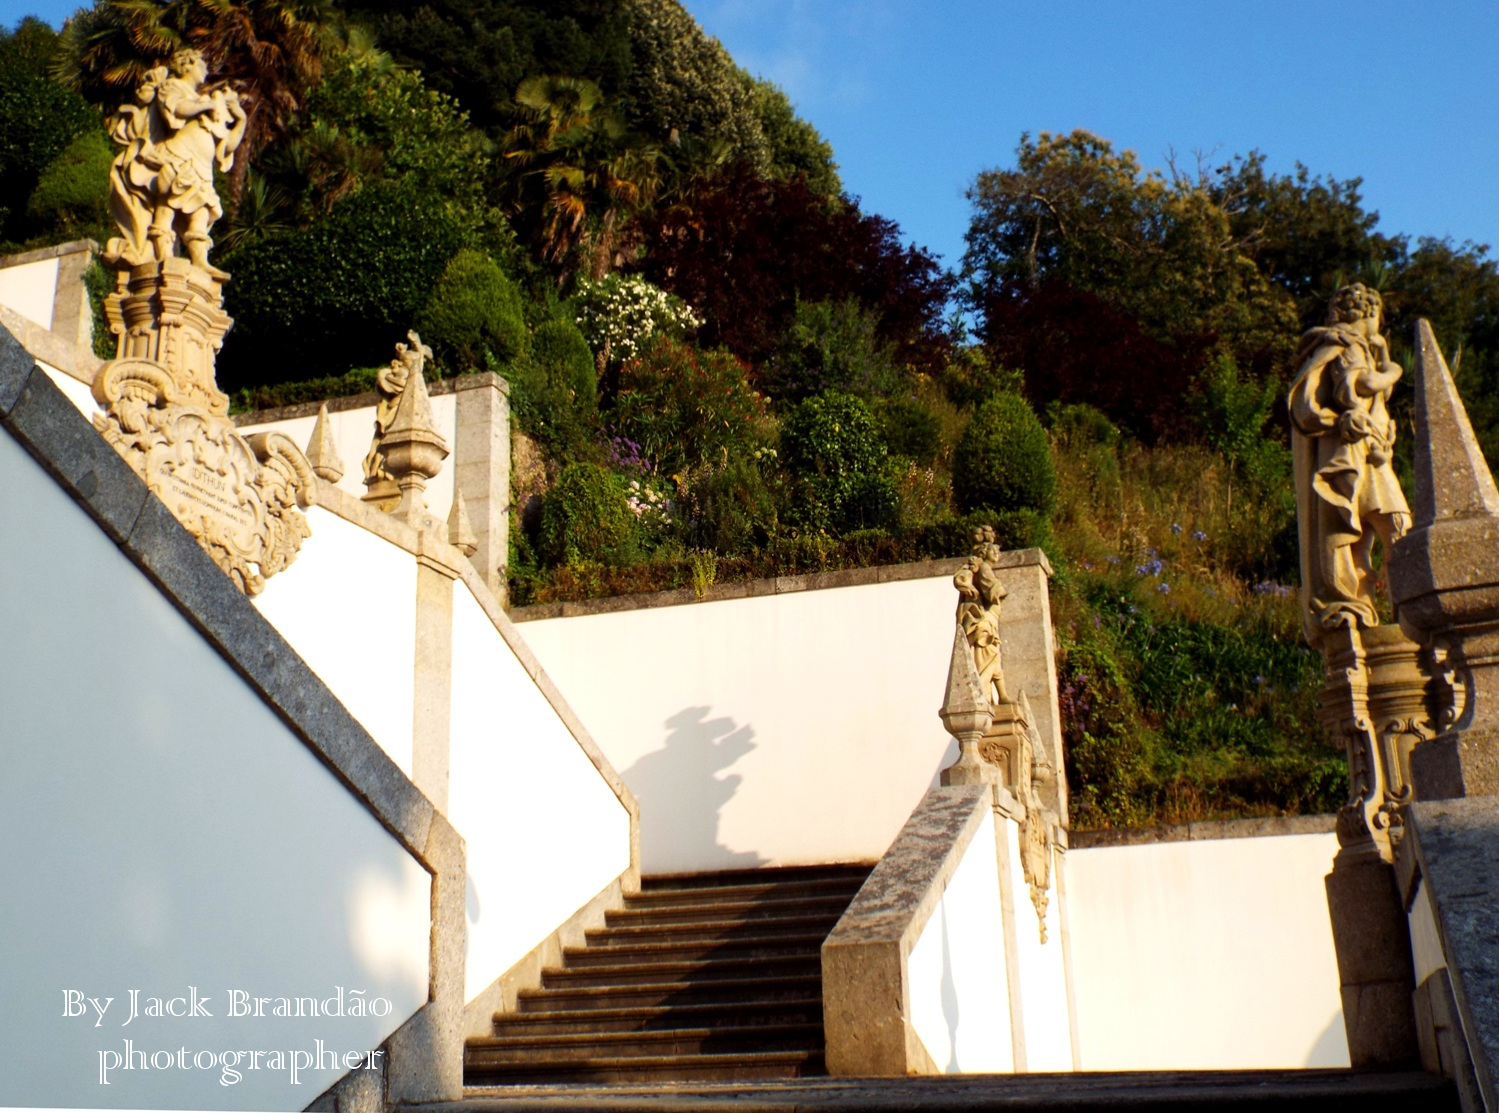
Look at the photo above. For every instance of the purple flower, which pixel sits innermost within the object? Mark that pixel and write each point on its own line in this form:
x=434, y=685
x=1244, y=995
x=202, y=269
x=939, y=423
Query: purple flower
x=1163, y=587
x=1198, y=535
x=1176, y=528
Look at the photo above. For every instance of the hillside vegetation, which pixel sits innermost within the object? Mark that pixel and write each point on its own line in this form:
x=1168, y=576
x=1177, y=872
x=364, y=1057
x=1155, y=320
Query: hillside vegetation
x=721, y=366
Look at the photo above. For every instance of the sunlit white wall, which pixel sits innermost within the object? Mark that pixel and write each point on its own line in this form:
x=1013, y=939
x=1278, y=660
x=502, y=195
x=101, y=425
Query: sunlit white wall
x=164, y=829
x=1206, y=954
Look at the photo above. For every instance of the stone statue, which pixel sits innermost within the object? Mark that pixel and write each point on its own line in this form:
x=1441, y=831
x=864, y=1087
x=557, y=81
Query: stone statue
x=411, y=359
x=161, y=184
x=1343, y=437
x=979, y=597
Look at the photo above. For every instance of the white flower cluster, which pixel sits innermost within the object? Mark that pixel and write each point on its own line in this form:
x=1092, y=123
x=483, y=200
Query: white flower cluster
x=620, y=314
x=649, y=505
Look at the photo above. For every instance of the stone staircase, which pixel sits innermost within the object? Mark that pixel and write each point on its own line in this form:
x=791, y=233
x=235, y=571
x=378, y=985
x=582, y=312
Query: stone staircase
x=699, y=978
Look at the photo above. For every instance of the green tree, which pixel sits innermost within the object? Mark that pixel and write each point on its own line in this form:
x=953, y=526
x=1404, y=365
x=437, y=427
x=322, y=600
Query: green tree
x=38, y=120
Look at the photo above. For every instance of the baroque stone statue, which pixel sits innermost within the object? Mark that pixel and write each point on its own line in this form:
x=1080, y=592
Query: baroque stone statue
x=980, y=595
x=163, y=410
x=390, y=381
x=1343, y=438
x=161, y=185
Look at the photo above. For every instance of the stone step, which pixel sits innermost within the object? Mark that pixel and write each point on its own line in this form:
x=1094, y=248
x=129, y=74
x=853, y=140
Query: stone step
x=725, y=991
x=804, y=1010
x=769, y=891
x=718, y=929
x=761, y=946
x=652, y=1068
x=1265, y=1091
x=698, y=971
x=490, y=1052
x=730, y=911
x=764, y=875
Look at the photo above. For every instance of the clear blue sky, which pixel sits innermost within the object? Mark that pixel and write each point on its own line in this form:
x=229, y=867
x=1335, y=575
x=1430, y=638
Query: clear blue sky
x=918, y=96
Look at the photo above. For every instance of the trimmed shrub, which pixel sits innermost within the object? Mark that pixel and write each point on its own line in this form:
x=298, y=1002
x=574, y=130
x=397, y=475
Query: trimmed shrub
x=71, y=198
x=831, y=446
x=339, y=293
x=474, y=315
x=553, y=393
x=586, y=517
x=1003, y=461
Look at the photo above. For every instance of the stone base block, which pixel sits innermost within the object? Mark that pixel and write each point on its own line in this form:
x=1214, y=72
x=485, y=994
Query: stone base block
x=1372, y=939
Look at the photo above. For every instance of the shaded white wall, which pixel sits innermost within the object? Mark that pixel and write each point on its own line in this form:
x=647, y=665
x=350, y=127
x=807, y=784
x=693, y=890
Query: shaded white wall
x=1206, y=954
x=30, y=289
x=1043, y=979
x=774, y=730
x=352, y=431
x=347, y=605
x=960, y=998
x=164, y=829
x=544, y=831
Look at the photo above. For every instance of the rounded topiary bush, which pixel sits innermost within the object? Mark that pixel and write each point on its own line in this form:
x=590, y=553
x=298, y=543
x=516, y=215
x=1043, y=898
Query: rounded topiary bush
x=832, y=447
x=1003, y=461
x=586, y=517
x=474, y=313
x=559, y=351
x=554, y=391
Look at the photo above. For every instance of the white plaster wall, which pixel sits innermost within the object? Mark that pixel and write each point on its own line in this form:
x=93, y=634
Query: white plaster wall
x=1043, y=981
x=30, y=289
x=348, y=607
x=774, y=730
x=164, y=829
x=352, y=430
x=1209, y=954
x=960, y=1005
x=543, y=829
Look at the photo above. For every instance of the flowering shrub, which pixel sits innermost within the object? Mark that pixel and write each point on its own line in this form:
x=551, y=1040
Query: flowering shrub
x=679, y=408
x=618, y=315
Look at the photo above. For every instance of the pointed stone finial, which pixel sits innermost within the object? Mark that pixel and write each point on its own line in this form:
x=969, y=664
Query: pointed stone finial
x=460, y=532
x=413, y=449
x=322, y=453
x=1452, y=478
x=966, y=714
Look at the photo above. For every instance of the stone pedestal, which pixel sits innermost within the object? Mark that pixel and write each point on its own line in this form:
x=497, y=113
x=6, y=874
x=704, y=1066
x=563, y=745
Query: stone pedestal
x=1372, y=939
x=164, y=413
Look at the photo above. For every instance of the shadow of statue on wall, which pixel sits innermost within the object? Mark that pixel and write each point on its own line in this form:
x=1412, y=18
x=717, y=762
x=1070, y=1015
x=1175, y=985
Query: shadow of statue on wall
x=681, y=795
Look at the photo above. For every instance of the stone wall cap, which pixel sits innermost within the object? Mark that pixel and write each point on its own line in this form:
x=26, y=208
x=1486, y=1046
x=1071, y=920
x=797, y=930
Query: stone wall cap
x=777, y=585
x=1267, y=827
x=368, y=400
x=56, y=251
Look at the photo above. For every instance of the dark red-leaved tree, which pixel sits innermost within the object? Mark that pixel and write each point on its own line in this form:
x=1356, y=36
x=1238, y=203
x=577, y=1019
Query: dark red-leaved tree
x=742, y=250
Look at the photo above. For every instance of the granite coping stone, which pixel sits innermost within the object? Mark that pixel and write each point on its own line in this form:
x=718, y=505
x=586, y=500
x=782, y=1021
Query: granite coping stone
x=1457, y=851
x=16, y=366
x=1197, y=832
x=776, y=585
x=903, y=888
x=55, y=251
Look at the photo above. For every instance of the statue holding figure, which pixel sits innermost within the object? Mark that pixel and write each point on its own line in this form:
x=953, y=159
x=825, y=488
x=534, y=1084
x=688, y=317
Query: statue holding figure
x=979, y=597
x=1343, y=437
x=390, y=381
x=161, y=184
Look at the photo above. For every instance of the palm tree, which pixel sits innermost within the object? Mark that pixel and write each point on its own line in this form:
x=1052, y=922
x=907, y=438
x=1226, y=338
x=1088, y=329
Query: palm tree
x=574, y=175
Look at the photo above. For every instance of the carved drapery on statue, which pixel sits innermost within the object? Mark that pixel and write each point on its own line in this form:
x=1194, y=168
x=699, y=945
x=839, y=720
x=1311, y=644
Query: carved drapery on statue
x=1348, y=497
x=997, y=739
x=164, y=412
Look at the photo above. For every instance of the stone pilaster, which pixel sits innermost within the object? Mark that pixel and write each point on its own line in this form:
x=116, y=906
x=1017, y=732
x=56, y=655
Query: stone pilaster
x=482, y=473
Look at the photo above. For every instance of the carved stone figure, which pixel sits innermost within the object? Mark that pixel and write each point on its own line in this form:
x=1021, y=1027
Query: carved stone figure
x=390, y=383
x=1342, y=438
x=161, y=185
x=979, y=597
